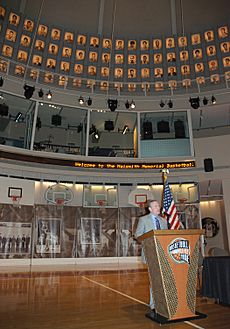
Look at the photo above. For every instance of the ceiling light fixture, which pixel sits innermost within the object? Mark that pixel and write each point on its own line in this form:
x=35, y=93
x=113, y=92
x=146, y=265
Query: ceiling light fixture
x=213, y=99
x=29, y=90
x=49, y=95
x=132, y=105
x=40, y=93
x=170, y=104
x=89, y=101
x=205, y=101
x=81, y=100
x=112, y=104
x=195, y=102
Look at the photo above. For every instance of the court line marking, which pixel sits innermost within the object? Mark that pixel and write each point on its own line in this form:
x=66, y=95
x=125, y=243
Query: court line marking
x=136, y=300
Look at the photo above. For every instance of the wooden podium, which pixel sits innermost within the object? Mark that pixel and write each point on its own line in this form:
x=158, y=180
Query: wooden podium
x=172, y=259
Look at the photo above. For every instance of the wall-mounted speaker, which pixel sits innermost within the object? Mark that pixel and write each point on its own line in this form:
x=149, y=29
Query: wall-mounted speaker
x=56, y=120
x=208, y=165
x=179, y=129
x=147, y=130
x=109, y=125
x=163, y=126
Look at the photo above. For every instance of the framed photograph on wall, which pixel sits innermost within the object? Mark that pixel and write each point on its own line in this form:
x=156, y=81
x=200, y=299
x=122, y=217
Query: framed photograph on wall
x=7, y=50
x=132, y=87
x=65, y=66
x=119, y=59
x=183, y=55
x=25, y=40
x=66, y=52
x=225, y=47
x=157, y=58
x=92, y=70
x=37, y=60
x=196, y=39
x=223, y=32
x=119, y=44
x=10, y=35
x=159, y=86
x=132, y=73
x=14, y=19
x=170, y=43
x=226, y=61
x=104, y=85
x=197, y=53
x=157, y=44
x=199, y=67
x=78, y=69
x=145, y=73
x=39, y=45
x=182, y=41
x=94, y=42
x=144, y=44
x=48, y=237
x=91, y=230
x=132, y=45
x=53, y=49
x=28, y=25
x=107, y=43
x=209, y=36
x=80, y=55
x=105, y=57
x=68, y=37
x=55, y=34
x=104, y=71
x=19, y=70
x=211, y=50
x=15, y=238
x=50, y=63
x=145, y=59
x=93, y=56
x=77, y=83
x=2, y=12
x=48, y=78
x=213, y=65
x=81, y=40
x=22, y=56
x=42, y=30
x=132, y=59
x=185, y=69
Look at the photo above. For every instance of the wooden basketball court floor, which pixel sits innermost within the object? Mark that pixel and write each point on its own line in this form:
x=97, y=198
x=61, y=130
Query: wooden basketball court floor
x=88, y=298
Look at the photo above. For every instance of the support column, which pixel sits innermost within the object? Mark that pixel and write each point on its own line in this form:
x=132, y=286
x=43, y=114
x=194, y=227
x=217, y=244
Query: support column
x=101, y=17
x=34, y=125
x=173, y=17
x=226, y=196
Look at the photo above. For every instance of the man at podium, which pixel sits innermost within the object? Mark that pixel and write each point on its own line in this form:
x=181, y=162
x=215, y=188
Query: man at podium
x=149, y=222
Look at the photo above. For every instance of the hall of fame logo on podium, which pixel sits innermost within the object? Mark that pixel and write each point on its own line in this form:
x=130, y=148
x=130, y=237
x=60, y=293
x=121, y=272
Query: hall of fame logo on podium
x=179, y=250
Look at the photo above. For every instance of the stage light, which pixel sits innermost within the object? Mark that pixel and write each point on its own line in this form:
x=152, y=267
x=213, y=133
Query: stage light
x=195, y=102
x=170, y=104
x=40, y=93
x=162, y=104
x=112, y=104
x=127, y=104
x=205, y=101
x=213, y=99
x=79, y=127
x=81, y=100
x=125, y=129
x=89, y=101
x=18, y=116
x=132, y=105
x=29, y=90
x=96, y=135
x=4, y=110
x=92, y=130
x=1, y=81
x=49, y=95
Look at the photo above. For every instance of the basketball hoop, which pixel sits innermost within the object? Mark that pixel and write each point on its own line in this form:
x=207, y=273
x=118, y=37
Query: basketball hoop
x=182, y=200
x=101, y=203
x=15, y=200
x=59, y=203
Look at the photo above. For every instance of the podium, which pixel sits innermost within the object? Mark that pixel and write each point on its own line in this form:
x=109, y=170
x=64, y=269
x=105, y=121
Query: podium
x=172, y=259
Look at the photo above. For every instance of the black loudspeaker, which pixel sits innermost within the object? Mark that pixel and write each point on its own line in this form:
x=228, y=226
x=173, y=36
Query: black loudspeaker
x=147, y=130
x=208, y=165
x=4, y=109
x=179, y=129
x=56, y=120
x=109, y=125
x=163, y=126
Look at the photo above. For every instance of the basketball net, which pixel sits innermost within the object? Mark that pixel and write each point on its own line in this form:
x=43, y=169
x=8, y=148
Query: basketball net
x=59, y=203
x=101, y=203
x=15, y=200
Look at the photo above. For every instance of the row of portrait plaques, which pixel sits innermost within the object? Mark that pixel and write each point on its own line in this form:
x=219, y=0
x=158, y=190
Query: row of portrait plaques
x=54, y=51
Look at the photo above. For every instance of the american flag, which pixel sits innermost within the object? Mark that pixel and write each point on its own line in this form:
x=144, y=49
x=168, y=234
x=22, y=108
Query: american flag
x=169, y=208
